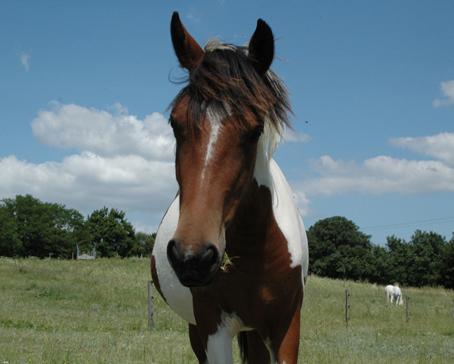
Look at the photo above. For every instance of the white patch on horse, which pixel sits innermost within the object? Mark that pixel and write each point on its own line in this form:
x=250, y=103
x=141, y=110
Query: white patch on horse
x=178, y=297
x=267, y=173
x=267, y=343
x=219, y=345
x=216, y=126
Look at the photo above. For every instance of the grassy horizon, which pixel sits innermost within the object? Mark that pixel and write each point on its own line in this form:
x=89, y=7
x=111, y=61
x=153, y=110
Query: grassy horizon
x=56, y=311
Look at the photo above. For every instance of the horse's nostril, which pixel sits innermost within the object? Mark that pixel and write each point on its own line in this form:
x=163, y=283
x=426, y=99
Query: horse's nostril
x=209, y=254
x=193, y=268
x=173, y=254
x=210, y=258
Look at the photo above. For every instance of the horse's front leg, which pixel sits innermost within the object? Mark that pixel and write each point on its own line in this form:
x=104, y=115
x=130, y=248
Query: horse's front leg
x=216, y=330
x=197, y=344
x=288, y=351
x=283, y=346
x=215, y=348
x=219, y=347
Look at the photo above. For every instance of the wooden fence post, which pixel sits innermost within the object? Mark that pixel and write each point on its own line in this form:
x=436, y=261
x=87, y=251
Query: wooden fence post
x=408, y=308
x=150, y=305
x=347, y=306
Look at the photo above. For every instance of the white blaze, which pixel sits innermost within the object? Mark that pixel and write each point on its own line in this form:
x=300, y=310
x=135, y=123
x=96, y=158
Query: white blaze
x=216, y=127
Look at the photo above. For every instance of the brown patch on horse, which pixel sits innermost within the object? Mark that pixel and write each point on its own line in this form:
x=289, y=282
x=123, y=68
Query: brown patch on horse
x=266, y=294
x=287, y=352
x=154, y=276
x=197, y=344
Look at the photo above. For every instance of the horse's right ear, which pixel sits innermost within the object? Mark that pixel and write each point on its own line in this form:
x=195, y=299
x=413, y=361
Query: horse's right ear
x=188, y=51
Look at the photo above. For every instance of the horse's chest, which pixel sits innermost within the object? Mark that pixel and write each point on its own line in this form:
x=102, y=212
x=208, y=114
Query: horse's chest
x=249, y=297
x=259, y=289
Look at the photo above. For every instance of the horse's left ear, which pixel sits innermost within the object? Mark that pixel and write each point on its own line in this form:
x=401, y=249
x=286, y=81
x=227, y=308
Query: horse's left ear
x=188, y=51
x=261, y=47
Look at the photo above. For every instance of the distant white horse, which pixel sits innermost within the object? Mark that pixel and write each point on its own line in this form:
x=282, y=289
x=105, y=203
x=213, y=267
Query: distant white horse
x=394, y=292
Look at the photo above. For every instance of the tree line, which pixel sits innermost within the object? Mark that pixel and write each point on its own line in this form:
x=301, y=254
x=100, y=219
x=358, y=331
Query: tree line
x=337, y=248
x=29, y=227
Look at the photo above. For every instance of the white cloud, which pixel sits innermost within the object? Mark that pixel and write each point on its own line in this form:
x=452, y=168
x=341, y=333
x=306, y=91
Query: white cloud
x=440, y=146
x=297, y=138
x=379, y=175
x=193, y=15
x=127, y=163
x=88, y=182
x=108, y=135
x=384, y=174
x=448, y=92
x=25, y=60
x=124, y=162
x=119, y=109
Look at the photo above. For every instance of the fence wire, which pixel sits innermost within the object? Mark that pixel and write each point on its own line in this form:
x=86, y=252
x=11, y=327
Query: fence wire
x=432, y=305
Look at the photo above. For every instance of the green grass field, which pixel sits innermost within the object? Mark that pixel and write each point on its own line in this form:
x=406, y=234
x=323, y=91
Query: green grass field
x=54, y=311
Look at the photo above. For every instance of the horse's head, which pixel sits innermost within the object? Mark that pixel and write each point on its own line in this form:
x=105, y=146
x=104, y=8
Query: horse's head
x=218, y=120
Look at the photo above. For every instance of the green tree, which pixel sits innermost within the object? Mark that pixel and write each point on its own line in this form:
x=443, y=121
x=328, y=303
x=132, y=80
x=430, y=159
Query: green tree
x=424, y=258
x=339, y=250
x=381, y=271
x=419, y=262
x=398, y=252
x=111, y=232
x=447, y=264
x=10, y=243
x=143, y=244
x=40, y=229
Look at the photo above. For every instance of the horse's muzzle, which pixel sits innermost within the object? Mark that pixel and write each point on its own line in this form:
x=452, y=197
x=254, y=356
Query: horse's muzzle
x=193, y=269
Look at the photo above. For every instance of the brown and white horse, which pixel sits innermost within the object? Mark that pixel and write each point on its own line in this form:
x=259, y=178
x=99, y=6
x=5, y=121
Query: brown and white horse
x=231, y=254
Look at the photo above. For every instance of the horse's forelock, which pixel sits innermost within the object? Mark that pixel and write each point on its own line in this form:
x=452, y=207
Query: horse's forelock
x=226, y=83
x=215, y=44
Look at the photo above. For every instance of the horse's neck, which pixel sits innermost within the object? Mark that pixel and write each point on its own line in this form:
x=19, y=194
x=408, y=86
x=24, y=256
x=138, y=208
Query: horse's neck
x=248, y=233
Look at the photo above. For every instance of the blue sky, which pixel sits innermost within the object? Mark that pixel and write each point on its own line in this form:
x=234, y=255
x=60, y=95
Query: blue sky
x=84, y=86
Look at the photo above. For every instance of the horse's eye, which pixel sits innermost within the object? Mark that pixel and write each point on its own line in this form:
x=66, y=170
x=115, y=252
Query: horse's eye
x=174, y=125
x=172, y=122
x=256, y=133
